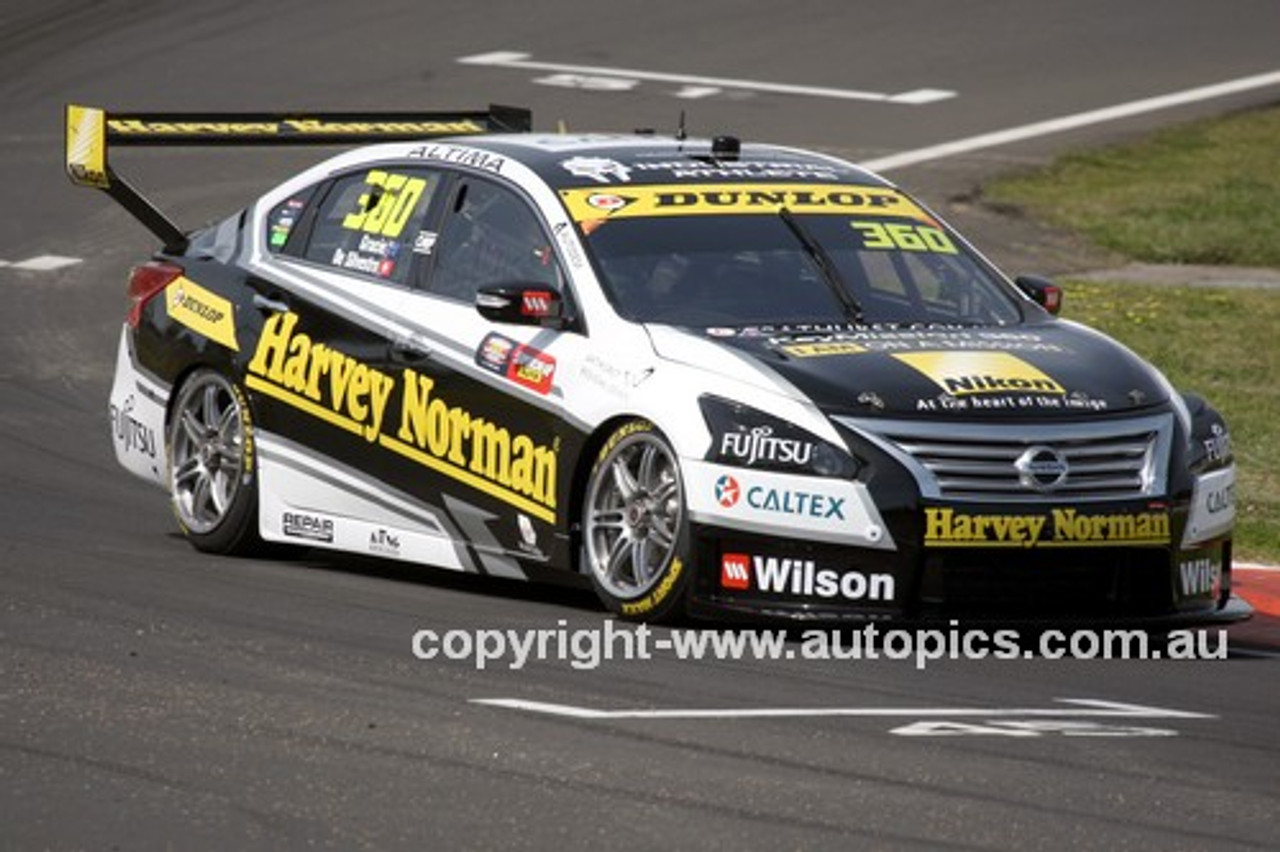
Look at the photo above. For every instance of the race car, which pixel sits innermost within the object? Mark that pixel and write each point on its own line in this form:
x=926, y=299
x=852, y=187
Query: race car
x=708, y=378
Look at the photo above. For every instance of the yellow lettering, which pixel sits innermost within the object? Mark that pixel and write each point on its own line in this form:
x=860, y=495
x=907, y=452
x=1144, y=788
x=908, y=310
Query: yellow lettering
x=294, y=376
x=272, y=346
x=937, y=524
x=380, y=394
x=413, y=410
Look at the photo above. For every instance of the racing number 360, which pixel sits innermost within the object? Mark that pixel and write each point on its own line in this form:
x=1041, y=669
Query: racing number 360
x=387, y=205
x=903, y=236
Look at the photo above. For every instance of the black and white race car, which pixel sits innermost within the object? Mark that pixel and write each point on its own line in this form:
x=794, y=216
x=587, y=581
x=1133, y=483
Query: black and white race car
x=704, y=376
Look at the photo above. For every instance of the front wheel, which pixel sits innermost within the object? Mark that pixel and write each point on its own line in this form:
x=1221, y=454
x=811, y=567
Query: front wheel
x=212, y=471
x=635, y=526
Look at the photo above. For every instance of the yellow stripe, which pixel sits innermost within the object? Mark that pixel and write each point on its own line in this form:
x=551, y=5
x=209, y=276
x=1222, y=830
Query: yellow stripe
x=468, y=478
x=1110, y=542
x=305, y=405
x=452, y=471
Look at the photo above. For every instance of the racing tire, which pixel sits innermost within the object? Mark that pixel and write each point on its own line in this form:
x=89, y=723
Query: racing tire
x=635, y=528
x=213, y=484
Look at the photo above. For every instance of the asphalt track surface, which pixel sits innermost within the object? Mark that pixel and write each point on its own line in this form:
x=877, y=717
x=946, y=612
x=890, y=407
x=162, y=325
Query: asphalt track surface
x=155, y=697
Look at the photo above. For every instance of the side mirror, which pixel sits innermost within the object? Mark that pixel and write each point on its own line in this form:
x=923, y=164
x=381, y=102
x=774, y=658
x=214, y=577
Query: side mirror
x=1042, y=291
x=521, y=304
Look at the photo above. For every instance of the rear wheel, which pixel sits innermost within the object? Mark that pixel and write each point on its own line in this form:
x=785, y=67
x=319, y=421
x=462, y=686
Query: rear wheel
x=635, y=526
x=212, y=470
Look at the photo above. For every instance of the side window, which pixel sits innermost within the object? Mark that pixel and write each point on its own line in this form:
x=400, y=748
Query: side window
x=490, y=236
x=284, y=218
x=369, y=222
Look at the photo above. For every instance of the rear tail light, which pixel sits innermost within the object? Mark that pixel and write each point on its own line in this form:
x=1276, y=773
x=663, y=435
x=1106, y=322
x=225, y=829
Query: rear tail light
x=145, y=283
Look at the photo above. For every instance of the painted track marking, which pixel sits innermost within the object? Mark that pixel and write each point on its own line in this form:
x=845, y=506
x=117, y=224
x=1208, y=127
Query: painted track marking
x=1071, y=122
x=1080, y=708
x=41, y=263
x=593, y=76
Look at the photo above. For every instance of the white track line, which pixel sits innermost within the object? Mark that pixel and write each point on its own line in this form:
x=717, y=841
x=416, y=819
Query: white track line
x=1084, y=708
x=43, y=263
x=1071, y=122
x=512, y=59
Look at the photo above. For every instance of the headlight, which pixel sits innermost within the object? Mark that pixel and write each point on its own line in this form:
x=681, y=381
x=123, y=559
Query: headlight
x=745, y=437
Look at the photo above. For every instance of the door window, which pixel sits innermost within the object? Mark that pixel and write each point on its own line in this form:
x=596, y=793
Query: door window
x=490, y=237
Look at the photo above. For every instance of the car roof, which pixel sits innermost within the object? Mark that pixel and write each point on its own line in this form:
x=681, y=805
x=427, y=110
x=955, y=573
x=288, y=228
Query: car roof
x=581, y=160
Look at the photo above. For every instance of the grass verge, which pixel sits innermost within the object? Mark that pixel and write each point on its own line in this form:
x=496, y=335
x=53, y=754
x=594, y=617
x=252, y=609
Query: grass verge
x=1202, y=193
x=1221, y=343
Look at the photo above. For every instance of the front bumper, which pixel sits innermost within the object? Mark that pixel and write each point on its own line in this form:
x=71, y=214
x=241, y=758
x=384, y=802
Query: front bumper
x=739, y=574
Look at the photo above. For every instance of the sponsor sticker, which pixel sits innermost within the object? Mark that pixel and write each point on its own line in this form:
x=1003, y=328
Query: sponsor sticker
x=739, y=198
x=727, y=491
x=823, y=349
x=761, y=445
x=971, y=373
x=802, y=578
x=131, y=434
x=1200, y=575
x=384, y=542
x=735, y=571
x=307, y=526
x=1068, y=527
x=532, y=368
x=598, y=169
x=494, y=352
x=202, y=311
x=1217, y=447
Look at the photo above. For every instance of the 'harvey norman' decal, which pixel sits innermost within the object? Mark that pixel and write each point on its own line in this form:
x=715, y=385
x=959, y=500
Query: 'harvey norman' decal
x=329, y=384
x=946, y=527
x=302, y=126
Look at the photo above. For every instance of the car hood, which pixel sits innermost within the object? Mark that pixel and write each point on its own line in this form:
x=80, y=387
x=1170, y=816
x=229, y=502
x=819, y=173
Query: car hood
x=1049, y=369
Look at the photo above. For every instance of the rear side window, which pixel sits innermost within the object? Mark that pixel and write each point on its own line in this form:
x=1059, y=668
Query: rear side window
x=284, y=218
x=369, y=222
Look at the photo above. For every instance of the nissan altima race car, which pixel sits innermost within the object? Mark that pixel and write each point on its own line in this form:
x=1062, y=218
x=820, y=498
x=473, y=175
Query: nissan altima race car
x=703, y=376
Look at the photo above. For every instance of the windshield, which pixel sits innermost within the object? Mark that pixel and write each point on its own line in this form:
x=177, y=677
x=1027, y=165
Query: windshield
x=784, y=264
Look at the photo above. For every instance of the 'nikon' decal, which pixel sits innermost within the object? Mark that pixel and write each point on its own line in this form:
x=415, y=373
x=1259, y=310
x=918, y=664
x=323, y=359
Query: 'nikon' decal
x=967, y=373
x=945, y=527
x=332, y=386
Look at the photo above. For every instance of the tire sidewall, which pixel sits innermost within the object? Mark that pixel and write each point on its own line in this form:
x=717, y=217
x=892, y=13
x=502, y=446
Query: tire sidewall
x=237, y=532
x=666, y=598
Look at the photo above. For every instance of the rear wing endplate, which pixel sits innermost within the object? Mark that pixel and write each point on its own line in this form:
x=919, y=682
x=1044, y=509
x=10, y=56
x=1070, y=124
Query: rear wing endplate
x=92, y=131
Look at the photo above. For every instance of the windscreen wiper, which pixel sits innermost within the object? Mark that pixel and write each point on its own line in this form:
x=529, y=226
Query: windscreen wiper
x=830, y=274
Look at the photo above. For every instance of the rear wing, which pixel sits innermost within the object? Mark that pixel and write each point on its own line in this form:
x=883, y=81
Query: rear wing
x=91, y=132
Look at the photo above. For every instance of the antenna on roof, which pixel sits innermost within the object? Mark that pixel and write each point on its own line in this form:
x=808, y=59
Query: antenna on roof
x=681, y=133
